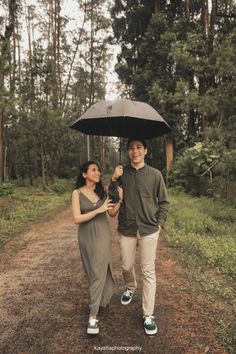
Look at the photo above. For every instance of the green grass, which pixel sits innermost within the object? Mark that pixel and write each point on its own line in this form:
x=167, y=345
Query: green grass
x=205, y=229
x=226, y=329
x=25, y=206
x=203, y=233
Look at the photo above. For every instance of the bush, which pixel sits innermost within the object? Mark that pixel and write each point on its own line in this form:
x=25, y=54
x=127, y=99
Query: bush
x=61, y=186
x=6, y=189
x=206, y=169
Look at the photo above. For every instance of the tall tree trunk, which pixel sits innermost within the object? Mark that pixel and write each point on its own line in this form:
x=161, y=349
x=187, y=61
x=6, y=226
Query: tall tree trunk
x=191, y=114
x=91, y=89
x=13, y=157
x=32, y=101
x=187, y=11
x=29, y=161
x=19, y=55
x=157, y=4
x=12, y=61
x=167, y=138
x=205, y=17
x=202, y=83
x=90, y=141
x=1, y=116
x=169, y=155
x=5, y=54
x=73, y=60
x=212, y=28
x=102, y=152
x=43, y=164
x=88, y=148
x=54, y=93
x=58, y=28
x=1, y=146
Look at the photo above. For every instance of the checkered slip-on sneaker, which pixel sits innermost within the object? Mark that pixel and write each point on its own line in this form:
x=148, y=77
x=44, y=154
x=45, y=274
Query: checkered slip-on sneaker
x=92, y=327
x=149, y=325
x=127, y=296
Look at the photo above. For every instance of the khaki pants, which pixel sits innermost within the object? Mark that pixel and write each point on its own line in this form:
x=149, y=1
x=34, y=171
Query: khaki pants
x=146, y=247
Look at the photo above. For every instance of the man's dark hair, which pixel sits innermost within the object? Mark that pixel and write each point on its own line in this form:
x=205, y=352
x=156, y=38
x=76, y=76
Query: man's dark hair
x=138, y=139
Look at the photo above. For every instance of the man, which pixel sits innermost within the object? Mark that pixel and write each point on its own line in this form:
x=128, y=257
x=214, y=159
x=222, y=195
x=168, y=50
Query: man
x=142, y=216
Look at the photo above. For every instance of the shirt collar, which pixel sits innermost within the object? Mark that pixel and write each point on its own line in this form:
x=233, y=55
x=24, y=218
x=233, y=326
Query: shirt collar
x=138, y=169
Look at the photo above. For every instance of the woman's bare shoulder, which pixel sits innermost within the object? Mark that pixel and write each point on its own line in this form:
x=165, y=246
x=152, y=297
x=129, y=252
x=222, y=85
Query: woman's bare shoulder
x=76, y=191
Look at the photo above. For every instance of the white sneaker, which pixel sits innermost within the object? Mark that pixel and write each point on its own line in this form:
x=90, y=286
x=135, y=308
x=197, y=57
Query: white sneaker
x=92, y=327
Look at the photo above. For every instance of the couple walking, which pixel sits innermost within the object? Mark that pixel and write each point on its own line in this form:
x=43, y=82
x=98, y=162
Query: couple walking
x=142, y=207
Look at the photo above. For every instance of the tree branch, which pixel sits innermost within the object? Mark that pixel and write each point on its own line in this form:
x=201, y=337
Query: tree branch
x=210, y=168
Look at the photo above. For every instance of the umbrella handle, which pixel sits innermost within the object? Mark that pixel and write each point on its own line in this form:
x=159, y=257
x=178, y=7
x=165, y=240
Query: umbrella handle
x=112, y=190
x=120, y=153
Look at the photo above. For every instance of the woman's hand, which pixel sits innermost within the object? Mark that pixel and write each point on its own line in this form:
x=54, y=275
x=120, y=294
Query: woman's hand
x=121, y=193
x=118, y=171
x=107, y=205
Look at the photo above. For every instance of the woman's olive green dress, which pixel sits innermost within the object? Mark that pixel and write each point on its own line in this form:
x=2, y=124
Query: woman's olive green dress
x=94, y=238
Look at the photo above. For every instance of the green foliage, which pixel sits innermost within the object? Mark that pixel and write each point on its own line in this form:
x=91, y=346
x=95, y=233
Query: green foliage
x=6, y=189
x=50, y=85
x=198, y=167
x=216, y=289
x=199, y=228
x=187, y=72
x=61, y=186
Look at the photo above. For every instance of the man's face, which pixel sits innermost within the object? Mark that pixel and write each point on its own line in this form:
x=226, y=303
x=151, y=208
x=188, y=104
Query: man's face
x=136, y=152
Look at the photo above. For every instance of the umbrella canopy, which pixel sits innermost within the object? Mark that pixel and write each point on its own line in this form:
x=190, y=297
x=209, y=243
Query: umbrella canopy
x=122, y=118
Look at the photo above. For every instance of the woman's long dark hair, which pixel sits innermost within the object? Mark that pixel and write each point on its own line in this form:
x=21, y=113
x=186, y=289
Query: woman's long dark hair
x=81, y=181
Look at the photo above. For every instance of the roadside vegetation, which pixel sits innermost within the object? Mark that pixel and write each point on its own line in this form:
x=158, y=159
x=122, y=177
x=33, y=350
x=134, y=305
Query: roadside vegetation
x=20, y=206
x=203, y=233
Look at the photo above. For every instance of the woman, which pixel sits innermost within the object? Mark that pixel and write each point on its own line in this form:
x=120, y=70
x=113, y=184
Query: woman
x=90, y=204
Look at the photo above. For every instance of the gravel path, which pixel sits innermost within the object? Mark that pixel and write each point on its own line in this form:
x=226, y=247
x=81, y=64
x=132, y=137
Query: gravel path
x=44, y=300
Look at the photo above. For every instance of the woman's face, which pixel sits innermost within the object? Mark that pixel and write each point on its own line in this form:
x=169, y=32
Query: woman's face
x=93, y=174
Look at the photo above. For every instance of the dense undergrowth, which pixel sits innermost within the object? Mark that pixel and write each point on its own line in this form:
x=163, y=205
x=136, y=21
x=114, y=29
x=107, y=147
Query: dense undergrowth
x=203, y=233
x=204, y=228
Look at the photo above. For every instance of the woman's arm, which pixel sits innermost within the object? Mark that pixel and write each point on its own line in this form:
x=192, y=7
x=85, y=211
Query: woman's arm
x=114, y=210
x=80, y=218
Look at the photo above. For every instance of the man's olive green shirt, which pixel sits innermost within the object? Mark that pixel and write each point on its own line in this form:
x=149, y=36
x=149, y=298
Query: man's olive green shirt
x=145, y=204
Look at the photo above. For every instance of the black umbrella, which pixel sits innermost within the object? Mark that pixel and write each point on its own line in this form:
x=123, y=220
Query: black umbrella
x=122, y=118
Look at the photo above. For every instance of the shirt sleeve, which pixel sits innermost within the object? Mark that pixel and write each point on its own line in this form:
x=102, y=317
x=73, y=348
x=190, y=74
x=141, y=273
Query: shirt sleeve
x=163, y=202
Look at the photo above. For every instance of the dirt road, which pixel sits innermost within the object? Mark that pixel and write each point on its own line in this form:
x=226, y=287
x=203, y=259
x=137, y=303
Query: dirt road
x=44, y=301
